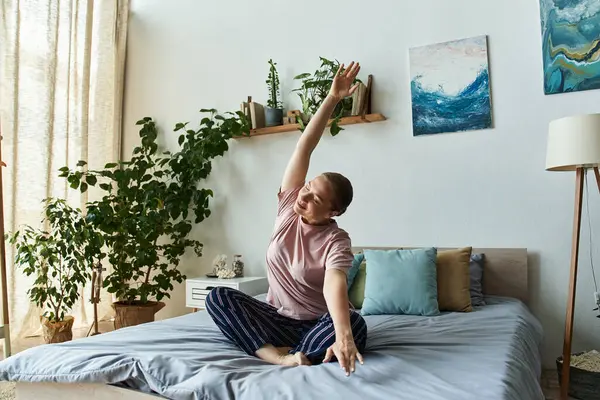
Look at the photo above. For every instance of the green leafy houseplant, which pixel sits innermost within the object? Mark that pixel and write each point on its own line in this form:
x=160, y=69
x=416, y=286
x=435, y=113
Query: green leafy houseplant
x=61, y=259
x=149, y=206
x=274, y=110
x=314, y=89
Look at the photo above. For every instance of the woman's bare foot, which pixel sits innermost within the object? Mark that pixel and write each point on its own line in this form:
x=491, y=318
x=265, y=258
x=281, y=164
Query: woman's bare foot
x=301, y=359
x=281, y=356
x=294, y=360
x=284, y=350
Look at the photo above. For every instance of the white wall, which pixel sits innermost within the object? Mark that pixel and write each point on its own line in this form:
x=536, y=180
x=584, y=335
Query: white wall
x=483, y=188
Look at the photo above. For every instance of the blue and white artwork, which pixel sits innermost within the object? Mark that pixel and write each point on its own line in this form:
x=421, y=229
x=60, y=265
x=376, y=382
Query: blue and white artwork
x=450, y=87
x=571, y=45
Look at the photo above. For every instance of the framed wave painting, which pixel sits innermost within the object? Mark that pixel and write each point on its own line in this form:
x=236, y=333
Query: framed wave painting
x=450, y=87
x=571, y=45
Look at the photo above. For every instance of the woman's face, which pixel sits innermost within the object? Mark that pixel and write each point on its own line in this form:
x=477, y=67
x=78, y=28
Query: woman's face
x=314, y=201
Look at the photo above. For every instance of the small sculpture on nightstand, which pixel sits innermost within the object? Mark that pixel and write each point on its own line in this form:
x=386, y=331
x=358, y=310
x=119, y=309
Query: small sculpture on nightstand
x=238, y=266
x=220, y=268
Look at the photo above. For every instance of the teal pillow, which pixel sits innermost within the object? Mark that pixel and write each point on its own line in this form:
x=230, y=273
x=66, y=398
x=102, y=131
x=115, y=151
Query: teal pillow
x=401, y=282
x=358, y=259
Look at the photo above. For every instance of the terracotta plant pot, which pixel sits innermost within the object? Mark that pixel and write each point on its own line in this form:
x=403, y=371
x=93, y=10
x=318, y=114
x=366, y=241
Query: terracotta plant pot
x=57, y=332
x=130, y=314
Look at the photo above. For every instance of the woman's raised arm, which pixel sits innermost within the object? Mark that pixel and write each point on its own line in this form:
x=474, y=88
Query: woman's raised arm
x=297, y=168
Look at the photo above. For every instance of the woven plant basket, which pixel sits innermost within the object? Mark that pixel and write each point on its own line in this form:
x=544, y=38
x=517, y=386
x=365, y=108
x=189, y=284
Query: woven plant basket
x=57, y=332
x=135, y=314
x=583, y=385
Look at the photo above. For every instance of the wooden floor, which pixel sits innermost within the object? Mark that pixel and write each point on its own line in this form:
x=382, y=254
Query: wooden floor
x=549, y=377
x=550, y=384
x=19, y=345
x=7, y=389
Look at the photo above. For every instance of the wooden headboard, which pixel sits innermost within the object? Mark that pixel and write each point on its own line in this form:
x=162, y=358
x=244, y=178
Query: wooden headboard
x=505, y=272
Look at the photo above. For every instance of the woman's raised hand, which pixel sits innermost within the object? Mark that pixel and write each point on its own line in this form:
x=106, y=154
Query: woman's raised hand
x=343, y=81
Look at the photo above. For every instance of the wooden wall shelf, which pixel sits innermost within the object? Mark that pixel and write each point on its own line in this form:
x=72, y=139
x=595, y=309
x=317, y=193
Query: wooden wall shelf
x=356, y=119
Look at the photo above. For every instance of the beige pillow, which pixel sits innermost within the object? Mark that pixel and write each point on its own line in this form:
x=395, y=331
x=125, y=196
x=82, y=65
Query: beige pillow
x=453, y=280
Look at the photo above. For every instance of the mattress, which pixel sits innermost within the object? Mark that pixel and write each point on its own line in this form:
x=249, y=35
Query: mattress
x=490, y=353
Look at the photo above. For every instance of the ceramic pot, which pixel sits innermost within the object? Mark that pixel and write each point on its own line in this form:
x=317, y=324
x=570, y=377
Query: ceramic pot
x=273, y=116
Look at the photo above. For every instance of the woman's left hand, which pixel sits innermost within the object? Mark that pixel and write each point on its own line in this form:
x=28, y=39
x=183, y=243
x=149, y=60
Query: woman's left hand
x=342, y=85
x=346, y=353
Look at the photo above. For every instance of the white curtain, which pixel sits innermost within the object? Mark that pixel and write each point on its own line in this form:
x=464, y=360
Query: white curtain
x=61, y=80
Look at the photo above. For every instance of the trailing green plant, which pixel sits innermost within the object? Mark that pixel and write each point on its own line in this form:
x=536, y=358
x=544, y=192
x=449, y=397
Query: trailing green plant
x=314, y=89
x=274, y=100
x=151, y=202
x=61, y=258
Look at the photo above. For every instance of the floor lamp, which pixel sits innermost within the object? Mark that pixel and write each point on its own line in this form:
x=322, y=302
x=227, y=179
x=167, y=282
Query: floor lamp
x=573, y=145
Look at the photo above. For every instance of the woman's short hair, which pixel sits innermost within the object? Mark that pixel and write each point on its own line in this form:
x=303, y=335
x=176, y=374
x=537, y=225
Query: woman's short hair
x=342, y=191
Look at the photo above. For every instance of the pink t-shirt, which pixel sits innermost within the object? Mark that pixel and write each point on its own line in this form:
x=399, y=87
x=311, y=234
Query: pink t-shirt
x=297, y=258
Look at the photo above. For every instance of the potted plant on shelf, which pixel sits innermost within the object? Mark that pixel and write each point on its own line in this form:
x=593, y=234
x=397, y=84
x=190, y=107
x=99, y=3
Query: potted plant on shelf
x=314, y=89
x=61, y=260
x=145, y=215
x=274, y=110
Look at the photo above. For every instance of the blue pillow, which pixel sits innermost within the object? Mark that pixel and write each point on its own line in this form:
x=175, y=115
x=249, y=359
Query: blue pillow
x=358, y=259
x=401, y=282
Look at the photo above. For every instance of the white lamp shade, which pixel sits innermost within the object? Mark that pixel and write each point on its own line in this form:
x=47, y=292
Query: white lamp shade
x=573, y=142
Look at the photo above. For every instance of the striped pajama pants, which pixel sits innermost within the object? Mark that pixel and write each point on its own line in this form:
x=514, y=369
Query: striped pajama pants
x=251, y=323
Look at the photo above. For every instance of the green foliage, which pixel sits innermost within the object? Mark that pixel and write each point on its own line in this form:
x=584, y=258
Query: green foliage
x=61, y=258
x=151, y=202
x=314, y=90
x=274, y=100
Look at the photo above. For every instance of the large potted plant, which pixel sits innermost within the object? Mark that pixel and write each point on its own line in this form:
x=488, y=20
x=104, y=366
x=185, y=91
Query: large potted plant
x=314, y=89
x=149, y=206
x=61, y=259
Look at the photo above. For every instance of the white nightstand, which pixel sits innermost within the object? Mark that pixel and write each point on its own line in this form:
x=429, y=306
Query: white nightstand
x=196, y=289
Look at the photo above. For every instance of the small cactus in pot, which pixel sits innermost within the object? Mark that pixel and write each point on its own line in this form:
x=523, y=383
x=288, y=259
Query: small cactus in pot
x=274, y=110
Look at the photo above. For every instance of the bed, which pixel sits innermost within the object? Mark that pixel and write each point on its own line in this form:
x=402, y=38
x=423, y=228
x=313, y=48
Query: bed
x=490, y=353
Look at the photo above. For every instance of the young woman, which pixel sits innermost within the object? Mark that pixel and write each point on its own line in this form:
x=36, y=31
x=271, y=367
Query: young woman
x=307, y=318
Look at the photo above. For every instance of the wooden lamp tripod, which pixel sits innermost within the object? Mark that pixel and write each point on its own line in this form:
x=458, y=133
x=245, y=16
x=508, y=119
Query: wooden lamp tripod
x=573, y=145
x=95, y=298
